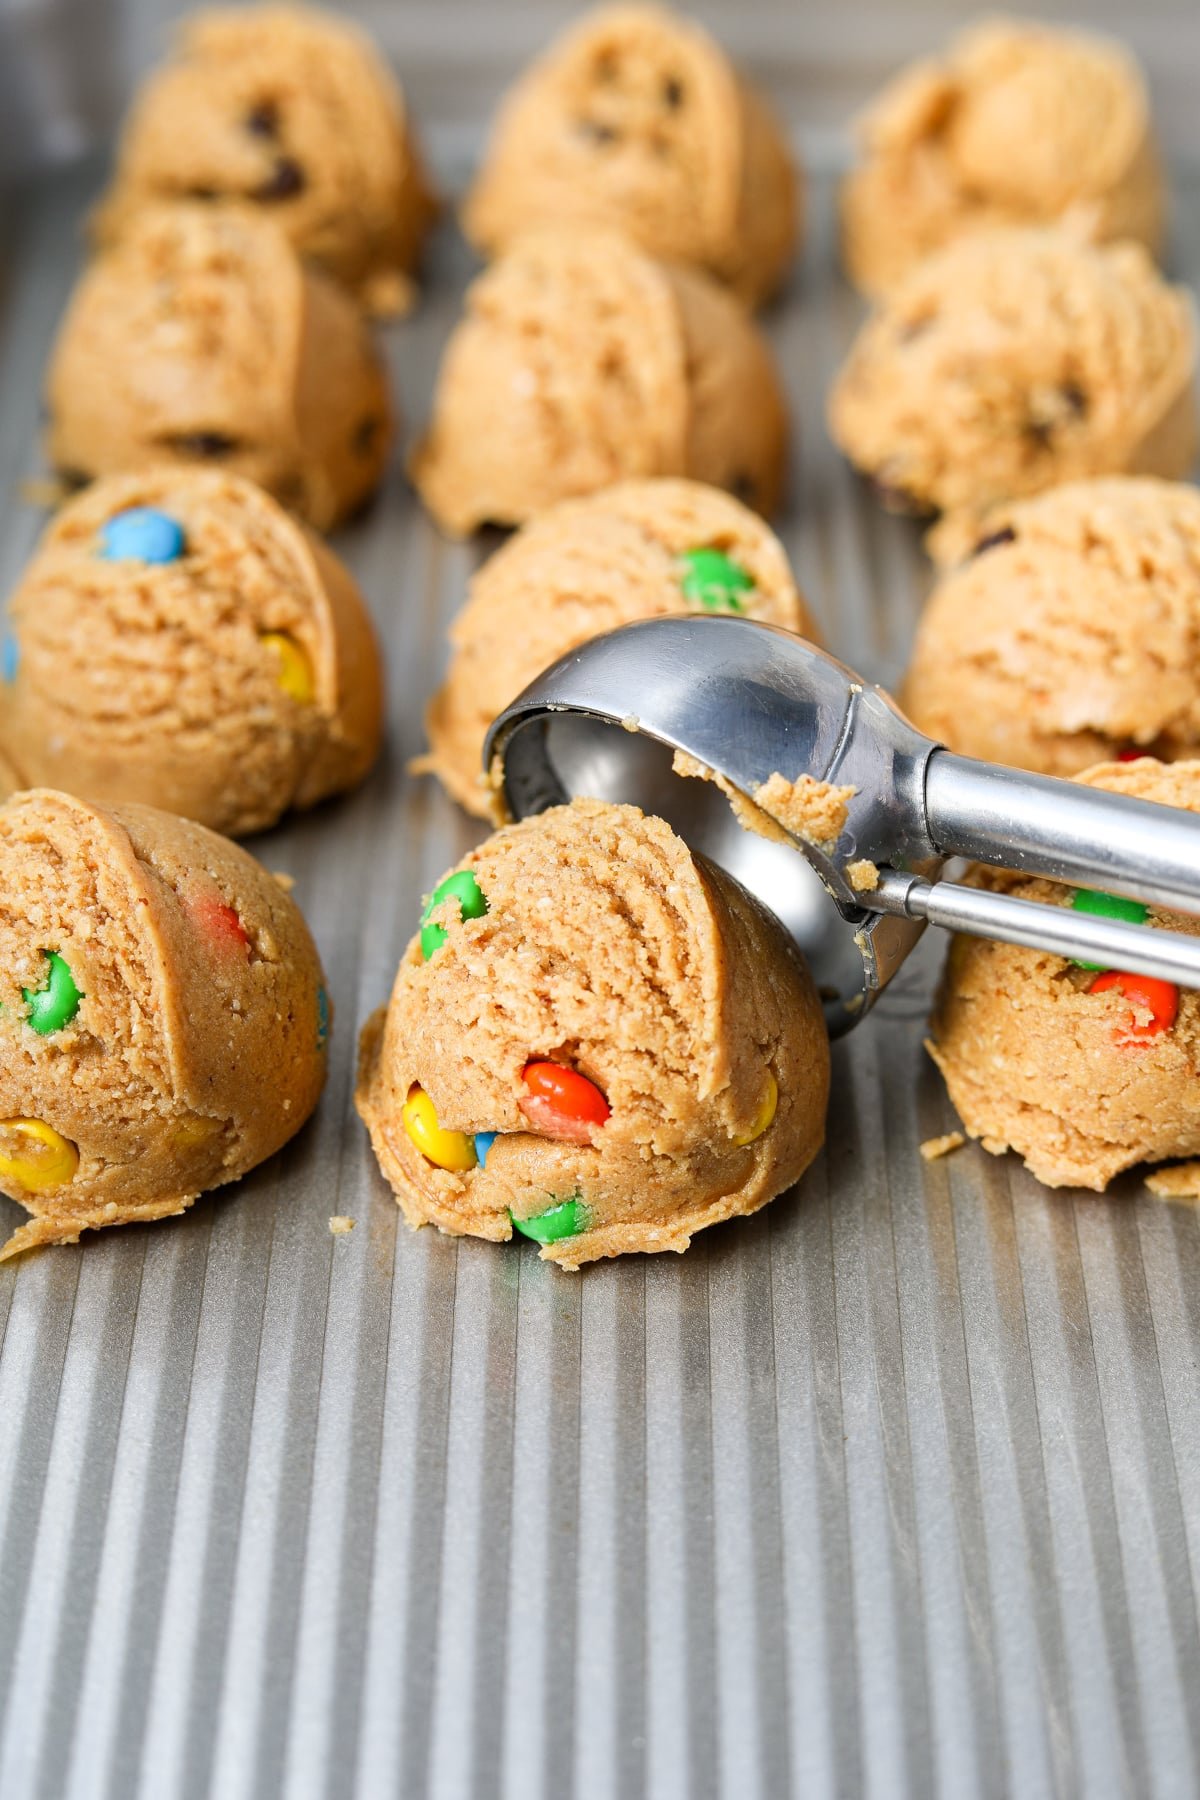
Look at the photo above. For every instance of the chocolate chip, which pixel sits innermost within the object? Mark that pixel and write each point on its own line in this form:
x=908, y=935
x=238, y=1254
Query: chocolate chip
x=286, y=180
x=366, y=436
x=201, y=443
x=263, y=120
x=672, y=93
x=596, y=132
x=1075, y=398
x=993, y=540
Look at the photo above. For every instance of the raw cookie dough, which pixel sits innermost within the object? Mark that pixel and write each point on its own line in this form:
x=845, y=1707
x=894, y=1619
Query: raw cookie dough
x=635, y=118
x=1017, y=124
x=288, y=109
x=1083, y=1074
x=228, y=671
x=681, y=1026
x=1072, y=635
x=163, y=1019
x=200, y=337
x=1013, y=360
x=634, y=551
x=581, y=361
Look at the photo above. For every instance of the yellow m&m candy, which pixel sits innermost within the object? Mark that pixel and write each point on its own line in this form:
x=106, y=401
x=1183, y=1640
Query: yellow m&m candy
x=295, y=670
x=765, y=1113
x=34, y=1156
x=448, y=1149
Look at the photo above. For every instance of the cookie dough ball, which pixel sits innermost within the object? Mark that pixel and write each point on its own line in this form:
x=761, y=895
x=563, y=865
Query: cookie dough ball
x=200, y=337
x=163, y=1023
x=1017, y=124
x=580, y=362
x=594, y=1040
x=1014, y=360
x=1082, y=1073
x=179, y=640
x=288, y=109
x=635, y=551
x=636, y=119
x=1072, y=635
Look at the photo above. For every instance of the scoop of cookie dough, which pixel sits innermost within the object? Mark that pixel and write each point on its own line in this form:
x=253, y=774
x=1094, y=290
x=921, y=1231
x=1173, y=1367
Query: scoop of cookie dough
x=1072, y=635
x=636, y=119
x=288, y=109
x=595, y=1040
x=163, y=1022
x=1017, y=124
x=179, y=640
x=634, y=551
x=581, y=361
x=1011, y=361
x=200, y=337
x=1082, y=1073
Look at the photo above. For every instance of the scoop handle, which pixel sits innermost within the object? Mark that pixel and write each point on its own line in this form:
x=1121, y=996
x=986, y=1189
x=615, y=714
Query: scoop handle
x=1092, y=942
x=1042, y=826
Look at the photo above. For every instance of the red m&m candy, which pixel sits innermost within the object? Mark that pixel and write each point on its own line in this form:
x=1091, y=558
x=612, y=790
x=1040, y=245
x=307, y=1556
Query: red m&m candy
x=218, y=922
x=1147, y=996
x=561, y=1104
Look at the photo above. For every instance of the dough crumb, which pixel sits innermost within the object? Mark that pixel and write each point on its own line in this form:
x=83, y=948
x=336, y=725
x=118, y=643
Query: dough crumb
x=1179, y=1182
x=862, y=875
x=340, y=1224
x=808, y=808
x=286, y=882
x=934, y=1148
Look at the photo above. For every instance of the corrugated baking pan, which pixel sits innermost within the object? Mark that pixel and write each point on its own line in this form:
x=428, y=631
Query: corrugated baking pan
x=893, y=1489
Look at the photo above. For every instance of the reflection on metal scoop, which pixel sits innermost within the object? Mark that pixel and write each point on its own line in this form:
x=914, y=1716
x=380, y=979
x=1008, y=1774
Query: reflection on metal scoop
x=748, y=701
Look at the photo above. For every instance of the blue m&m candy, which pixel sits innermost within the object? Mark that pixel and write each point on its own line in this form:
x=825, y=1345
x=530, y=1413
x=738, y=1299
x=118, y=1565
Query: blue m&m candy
x=142, y=534
x=483, y=1143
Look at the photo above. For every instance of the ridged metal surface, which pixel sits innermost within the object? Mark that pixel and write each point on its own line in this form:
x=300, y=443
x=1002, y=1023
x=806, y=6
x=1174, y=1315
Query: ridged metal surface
x=893, y=1489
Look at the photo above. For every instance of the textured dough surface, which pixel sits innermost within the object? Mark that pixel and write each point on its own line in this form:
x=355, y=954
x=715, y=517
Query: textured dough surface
x=580, y=569
x=1032, y=1059
x=1014, y=360
x=1017, y=124
x=199, y=337
x=605, y=946
x=635, y=119
x=579, y=362
x=289, y=109
x=1073, y=635
x=197, y=1048
x=159, y=683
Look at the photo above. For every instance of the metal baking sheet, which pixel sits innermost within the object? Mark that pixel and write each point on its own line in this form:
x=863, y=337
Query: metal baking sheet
x=892, y=1490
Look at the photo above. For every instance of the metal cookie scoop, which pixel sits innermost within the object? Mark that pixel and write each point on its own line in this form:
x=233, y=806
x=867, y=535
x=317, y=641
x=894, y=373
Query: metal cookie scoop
x=748, y=701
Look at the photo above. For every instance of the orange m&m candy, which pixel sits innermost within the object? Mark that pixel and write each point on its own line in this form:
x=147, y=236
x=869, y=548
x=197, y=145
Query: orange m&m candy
x=1160, y=999
x=561, y=1104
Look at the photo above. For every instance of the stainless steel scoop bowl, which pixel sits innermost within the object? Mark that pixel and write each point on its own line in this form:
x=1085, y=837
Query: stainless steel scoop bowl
x=748, y=701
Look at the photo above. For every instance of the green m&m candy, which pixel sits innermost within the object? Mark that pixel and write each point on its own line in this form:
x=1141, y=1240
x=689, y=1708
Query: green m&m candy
x=55, y=1005
x=714, y=581
x=462, y=887
x=1107, y=906
x=565, y=1220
